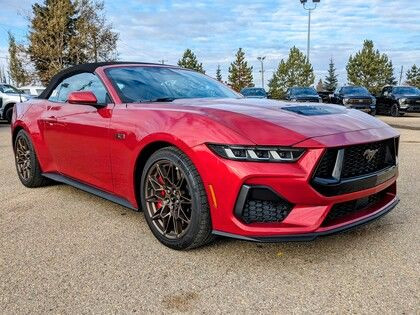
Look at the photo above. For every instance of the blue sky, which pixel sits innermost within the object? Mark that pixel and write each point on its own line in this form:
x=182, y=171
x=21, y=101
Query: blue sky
x=151, y=30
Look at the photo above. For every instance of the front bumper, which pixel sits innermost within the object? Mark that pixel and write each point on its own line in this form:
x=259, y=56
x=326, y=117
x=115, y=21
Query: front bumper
x=321, y=232
x=411, y=109
x=224, y=179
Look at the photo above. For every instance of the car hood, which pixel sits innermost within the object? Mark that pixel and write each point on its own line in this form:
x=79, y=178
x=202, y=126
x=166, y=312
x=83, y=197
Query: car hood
x=269, y=122
x=411, y=96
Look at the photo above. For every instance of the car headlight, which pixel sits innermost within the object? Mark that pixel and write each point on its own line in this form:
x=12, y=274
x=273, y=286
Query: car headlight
x=257, y=154
x=402, y=102
x=320, y=100
x=293, y=100
x=345, y=101
x=373, y=101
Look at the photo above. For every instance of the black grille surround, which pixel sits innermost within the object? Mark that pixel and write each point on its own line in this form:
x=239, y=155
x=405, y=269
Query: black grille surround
x=354, y=168
x=260, y=204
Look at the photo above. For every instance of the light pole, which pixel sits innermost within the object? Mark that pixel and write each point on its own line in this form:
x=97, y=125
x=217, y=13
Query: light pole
x=309, y=9
x=261, y=59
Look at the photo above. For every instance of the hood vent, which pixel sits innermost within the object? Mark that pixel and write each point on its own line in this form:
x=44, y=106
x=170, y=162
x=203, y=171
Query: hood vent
x=310, y=110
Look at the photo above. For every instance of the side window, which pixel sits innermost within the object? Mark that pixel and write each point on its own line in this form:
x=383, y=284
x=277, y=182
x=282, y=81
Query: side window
x=80, y=82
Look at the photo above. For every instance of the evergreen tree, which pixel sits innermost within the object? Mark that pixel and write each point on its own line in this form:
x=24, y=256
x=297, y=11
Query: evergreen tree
x=17, y=72
x=331, y=81
x=370, y=68
x=189, y=61
x=320, y=86
x=295, y=71
x=219, y=74
x=67, y=32
x=240, y=74
x=51, y=29
x=94, y=40
x=413, y=76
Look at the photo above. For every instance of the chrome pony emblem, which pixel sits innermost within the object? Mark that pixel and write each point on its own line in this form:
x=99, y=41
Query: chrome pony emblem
x=370, y=154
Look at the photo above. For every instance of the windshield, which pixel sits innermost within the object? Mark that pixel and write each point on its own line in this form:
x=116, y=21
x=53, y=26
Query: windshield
x=304, y=91
x=253, y=92
x=352, y=90
x=5, y=88
x=148, y=84
x=406, y=90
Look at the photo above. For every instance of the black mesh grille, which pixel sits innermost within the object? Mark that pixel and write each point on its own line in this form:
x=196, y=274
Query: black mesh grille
x=344, y=209
x=356, y=158
x=264, y=211
x=359, y=160
x=356, y=101
x=262, y=205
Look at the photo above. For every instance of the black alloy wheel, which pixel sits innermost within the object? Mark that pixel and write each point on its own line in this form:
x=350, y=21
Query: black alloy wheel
x=395, y=111
x=174, y=200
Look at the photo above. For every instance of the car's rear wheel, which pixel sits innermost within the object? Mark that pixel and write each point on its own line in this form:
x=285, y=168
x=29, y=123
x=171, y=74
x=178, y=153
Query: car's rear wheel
x=174, y=200
x=27, y=164
x=395, y=111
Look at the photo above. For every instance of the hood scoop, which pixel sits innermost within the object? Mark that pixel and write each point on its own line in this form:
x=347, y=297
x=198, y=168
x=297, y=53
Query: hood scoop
x=310, y=110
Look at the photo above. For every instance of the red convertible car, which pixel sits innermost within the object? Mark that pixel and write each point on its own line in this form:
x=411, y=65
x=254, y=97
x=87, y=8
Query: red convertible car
x=200, y=160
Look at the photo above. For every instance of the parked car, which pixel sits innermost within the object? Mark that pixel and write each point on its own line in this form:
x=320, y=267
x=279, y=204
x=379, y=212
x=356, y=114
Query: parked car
x=9, y=96
x=398, y=100
x=200, y=160
x=33, y=90
x=252, y=92
x=357, y=97
x=325, y=96
x=303, y=94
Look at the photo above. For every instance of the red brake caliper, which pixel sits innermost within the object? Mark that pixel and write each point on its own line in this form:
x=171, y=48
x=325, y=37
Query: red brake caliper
x=162, y=193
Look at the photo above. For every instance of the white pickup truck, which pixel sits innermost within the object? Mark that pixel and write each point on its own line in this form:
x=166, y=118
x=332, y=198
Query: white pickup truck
x=9, y=96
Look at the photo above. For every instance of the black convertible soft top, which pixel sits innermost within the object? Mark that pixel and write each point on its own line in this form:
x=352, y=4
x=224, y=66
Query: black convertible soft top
x=87, y=67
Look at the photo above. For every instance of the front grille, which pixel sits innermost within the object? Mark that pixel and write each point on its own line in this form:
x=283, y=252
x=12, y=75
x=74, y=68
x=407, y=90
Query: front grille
x=359, y=160
x=344, y=209
x=356, y=160
x=259, y=204
x=359, y=101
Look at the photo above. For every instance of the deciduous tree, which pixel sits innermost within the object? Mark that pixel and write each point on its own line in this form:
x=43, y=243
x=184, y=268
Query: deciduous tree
x=370, y=68
x=295, y=71
x=240, y=74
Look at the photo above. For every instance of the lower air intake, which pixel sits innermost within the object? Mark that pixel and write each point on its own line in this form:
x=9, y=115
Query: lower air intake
x=261, y=205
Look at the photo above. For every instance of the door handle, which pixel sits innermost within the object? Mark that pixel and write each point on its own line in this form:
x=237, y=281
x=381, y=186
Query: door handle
x=50, y=120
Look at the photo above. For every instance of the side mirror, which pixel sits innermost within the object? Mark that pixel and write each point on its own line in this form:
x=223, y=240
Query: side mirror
x=82, y=98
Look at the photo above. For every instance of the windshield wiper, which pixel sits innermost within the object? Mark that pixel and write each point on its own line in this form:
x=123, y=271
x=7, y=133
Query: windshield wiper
x=160, y=99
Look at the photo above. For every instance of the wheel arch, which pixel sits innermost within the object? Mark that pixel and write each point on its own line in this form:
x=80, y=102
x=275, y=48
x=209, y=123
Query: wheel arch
x=150, y=146
x=6, y=108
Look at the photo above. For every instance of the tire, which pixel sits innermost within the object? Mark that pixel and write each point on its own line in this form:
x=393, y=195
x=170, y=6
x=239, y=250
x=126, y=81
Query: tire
x=24, y=152
x=395, y=111
x=174, y=200
x=8, y=115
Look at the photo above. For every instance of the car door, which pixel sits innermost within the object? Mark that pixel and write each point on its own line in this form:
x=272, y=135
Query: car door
x=78, y=135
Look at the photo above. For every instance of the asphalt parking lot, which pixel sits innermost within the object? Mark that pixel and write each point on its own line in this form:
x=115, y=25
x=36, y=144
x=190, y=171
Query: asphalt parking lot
x=65, y=251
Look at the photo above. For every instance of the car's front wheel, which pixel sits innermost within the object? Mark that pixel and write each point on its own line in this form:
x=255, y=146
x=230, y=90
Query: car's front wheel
x=395, y=111
x=174, y=200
